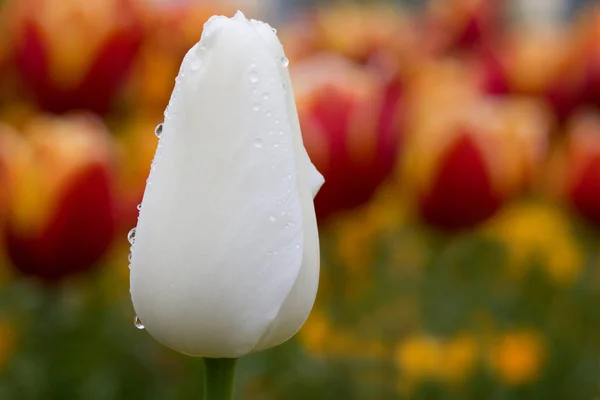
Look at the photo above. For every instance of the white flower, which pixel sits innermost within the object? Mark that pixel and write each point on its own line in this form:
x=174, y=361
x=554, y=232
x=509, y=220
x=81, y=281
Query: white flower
x=226, y=253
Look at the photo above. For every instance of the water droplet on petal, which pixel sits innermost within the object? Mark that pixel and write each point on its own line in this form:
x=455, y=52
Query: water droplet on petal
x=129, y=257
x=274, y=30
x=139, y=206
x=256, y=107
x=138, y=324
x=265, y=95
x=131, y=234
x=253, y=77
x=258, y=143
x=269, y=114
x=196, y=64
x=280, y=132
x=272, y=219
x=285, y=62
x=158, y=131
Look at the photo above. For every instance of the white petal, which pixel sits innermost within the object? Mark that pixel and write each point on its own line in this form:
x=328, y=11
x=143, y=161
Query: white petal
x=220, y=239
x=298, y=304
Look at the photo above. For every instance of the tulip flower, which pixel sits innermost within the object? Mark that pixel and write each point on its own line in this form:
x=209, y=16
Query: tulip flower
x=60, y=217
x=75, y=55
x=513, y=66
x=351, y=128
x=465, y=162
x=225, y=259
x=581, y=166
x=584, y=61
x=462, y=24
x=170, y=29
x=361, y=31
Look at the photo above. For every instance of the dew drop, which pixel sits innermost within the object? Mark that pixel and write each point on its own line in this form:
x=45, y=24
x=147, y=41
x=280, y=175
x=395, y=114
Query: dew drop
x=256, y=107
x=195, y=66
x=272, y=219
x=280, y=132
x=129, y=257
x=258, y=143
x=131, y=234
x=253, y=77
x=274, y=30
x=269, y=114
x=138, y=324
x=265, y=95
x=139, y=206
x=158, y=130
x=285, y=62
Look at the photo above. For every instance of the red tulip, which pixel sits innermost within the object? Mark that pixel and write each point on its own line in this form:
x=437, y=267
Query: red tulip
x=459, y=24
x=61, y=207
x=75, y=55
x=583, y=165
x=350, y=127
x=465, y=160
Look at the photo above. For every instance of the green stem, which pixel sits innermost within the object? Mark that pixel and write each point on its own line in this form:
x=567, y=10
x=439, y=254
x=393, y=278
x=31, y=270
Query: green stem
x=218, y=378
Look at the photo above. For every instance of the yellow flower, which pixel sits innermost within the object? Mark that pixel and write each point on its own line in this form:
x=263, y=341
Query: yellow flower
x=518, y=356
x=315, y=333
x=459, y=357
x=419, y=357
x=519, y=228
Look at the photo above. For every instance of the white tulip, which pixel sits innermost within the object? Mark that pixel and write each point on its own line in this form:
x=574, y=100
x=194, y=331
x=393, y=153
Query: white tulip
x=226, y=254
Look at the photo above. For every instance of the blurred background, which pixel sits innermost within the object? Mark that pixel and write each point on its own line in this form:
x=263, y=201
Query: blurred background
x=460, y=222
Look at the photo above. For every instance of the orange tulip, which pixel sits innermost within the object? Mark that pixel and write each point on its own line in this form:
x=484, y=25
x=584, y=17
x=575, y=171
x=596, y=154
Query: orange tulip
x=75, y=54
x=515, y=66
x=350, y=128
x=137, y=142
x=60, y=212
x=360, y=31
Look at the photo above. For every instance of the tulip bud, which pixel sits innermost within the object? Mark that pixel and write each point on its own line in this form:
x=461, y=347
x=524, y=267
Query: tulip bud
x=170, y=29
x=75, y=55
x=350, y=130
x=225, y=258
x=60, y=213
x=582, y=165
x=467, y=161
